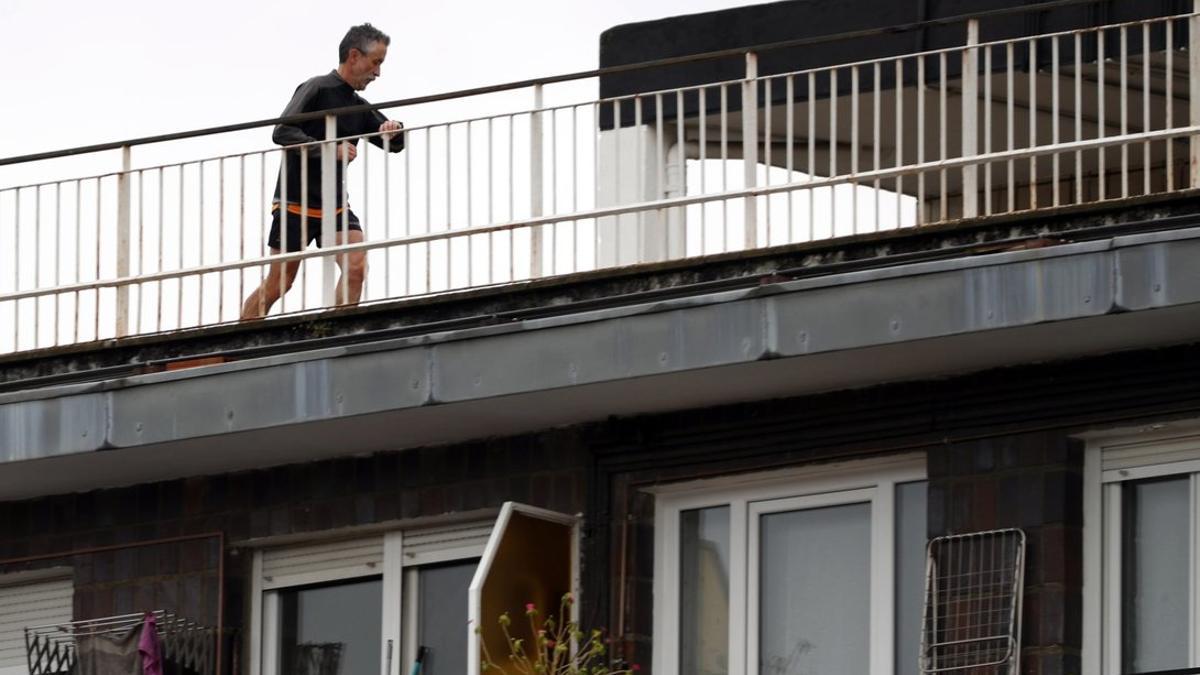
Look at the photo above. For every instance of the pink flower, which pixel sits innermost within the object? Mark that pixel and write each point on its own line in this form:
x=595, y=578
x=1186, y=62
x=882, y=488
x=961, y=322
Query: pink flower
x=635, y=667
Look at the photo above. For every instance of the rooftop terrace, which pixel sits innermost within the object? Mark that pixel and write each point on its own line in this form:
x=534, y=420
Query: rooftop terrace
x=495, y=196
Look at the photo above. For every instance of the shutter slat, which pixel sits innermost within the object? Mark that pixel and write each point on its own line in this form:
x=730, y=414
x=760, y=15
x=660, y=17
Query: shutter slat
x=1131, y=456
x=30, y=604
x=320, y=562
x=423, y=546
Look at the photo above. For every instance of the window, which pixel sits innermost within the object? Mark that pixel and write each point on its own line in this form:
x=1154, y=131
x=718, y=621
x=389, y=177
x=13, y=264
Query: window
x=30, y=599
x=373, y=604
x=1142, y=514
x=815, y=571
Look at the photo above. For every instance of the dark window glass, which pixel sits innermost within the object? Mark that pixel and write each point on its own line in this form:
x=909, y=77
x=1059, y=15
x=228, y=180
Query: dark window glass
x=332, y=629
x=442, y=616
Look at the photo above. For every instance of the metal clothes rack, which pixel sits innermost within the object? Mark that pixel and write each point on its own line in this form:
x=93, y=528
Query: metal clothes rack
x=187, y=646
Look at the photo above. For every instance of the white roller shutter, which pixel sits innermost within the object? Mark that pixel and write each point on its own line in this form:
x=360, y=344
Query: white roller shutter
x=29, y=604
x=326, y=561
x=452, y=542
x=1150, y=458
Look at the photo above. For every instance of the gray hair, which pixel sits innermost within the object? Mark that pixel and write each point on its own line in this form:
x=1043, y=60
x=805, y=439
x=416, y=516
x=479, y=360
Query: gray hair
x=360, y=38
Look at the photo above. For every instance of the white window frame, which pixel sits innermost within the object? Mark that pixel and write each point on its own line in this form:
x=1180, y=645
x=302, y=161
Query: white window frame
x=748, y=496
x=396, y=635
x=1110, y=459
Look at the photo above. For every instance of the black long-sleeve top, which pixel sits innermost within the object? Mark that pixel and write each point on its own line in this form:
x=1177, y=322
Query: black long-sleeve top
x=324, y=92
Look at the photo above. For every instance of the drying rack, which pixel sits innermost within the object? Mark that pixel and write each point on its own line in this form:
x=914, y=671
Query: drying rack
x=188, y=647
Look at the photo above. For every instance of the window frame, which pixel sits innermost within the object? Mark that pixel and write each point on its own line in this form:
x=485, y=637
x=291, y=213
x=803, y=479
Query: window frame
x=1156, y=451
x=871, y=480
x=265, y=606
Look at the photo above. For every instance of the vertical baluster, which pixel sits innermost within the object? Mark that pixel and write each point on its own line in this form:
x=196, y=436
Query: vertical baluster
x=470, y=213
x=878, y=139
x=58, y=242
x=921, y=217
x=1055, y=118
x=1124, y=110
x=899, y=135
x=700, y=95
x=1078, y=116
x=1169, y=53
x=1033, y=76
x=767, y=150
x=660, y=163
x=1010, y=98
x=812, y=151
x=943, y=130
x=854, y=85
x=750, y=148
x=220, y=237
x=200, y=247
x=1147, y=125
x=724, y=166
x=1101, y=130
x=790, y=132
x=987, y=129
x=833, y=129
x=491, y=201
x=536, y=175
x=37, y=254
x=428, y=245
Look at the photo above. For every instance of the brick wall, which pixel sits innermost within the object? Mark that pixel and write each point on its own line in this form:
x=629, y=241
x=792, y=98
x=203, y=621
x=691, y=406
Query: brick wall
x=544, y=470
x=1034, y=482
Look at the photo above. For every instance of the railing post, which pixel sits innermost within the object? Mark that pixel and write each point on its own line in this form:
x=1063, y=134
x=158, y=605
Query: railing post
x=750, y=145
x=1194, y=91
x=123, y=241
x=538, y=234
x=970, y=120
x=329, y=205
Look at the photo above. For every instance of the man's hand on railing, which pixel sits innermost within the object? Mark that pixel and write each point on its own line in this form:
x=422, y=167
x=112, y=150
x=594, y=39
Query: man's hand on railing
x=392, y=126
x=347, y=151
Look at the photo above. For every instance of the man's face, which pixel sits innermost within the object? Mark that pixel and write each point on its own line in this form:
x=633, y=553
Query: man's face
x=364, y=68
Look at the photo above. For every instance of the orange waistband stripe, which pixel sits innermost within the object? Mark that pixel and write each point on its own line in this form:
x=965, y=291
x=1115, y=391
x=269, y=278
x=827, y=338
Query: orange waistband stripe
x=295, y=210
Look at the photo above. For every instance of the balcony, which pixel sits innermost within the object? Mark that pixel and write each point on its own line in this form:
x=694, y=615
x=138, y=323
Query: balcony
x=494, y=193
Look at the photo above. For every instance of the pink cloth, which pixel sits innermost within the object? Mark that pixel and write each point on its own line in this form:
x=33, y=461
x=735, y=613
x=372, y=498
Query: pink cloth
x=149, y=647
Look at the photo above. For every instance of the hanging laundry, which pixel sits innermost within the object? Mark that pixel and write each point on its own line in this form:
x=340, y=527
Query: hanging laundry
x=149, y=647
x=108, y=653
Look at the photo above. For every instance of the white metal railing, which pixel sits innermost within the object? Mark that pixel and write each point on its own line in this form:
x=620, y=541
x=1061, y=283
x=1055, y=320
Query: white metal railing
x=985, y=128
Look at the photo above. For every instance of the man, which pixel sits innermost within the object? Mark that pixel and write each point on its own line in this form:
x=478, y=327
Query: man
x=360, y=56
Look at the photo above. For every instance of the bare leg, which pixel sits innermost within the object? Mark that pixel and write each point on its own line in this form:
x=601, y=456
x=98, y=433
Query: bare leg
x=279, y=280
x=353, y=267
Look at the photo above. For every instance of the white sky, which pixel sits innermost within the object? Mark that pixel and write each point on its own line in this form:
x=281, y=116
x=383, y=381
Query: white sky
x=82, y=72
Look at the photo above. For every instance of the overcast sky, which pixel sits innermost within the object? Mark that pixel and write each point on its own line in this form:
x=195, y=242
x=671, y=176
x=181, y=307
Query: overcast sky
x=89, y=72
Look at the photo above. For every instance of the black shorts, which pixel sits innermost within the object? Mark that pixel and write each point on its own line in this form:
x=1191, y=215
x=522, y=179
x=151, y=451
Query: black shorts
x=299, y=238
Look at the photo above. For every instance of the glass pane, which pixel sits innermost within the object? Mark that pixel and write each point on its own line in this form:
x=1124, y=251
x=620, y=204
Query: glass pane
x=1154, y=571
x=814, y=591
x=910, y=574
x=442, y=616
x=331, y=630
x=704, y=591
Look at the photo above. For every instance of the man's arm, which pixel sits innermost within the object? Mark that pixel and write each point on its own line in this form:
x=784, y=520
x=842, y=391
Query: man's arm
x=288, y=134
x=377, y=120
